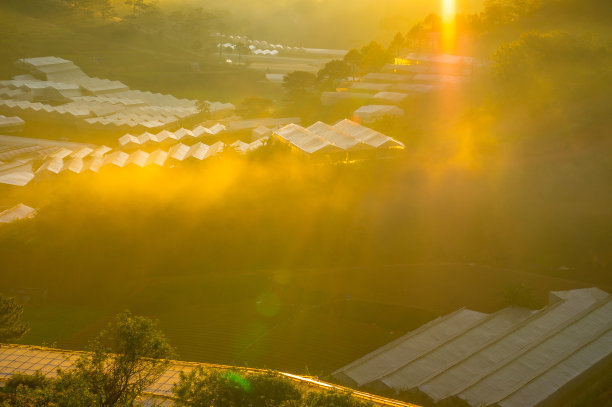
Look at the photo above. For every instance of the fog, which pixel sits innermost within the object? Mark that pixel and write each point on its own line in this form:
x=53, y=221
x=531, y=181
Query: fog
x=323, y=23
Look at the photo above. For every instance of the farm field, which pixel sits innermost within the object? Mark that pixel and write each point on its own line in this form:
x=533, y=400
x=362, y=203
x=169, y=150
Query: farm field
x=263, y=322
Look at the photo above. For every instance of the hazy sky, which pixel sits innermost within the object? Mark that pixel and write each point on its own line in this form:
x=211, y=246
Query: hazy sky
x=325, y=23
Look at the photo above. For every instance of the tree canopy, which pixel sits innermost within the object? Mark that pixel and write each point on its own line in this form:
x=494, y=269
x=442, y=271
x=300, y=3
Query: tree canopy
x=121, y=363
x=11, y=329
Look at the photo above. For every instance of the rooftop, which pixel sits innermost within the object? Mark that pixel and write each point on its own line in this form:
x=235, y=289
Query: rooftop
x=514, y=357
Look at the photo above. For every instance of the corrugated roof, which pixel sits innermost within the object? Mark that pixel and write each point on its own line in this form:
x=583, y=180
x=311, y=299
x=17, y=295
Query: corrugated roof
x=305, y=140
x=344, y=136
x=339, y=138
x=17, y=212
x=367, y=135
x=515, y=357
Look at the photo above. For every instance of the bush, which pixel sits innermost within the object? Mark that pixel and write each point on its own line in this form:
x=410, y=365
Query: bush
x=34, y=381
x=230, y=388
x=333, y=398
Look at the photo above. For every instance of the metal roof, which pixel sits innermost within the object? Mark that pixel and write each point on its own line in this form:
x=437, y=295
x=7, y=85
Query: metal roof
x=17, y=212
x=367, y=135
x=514, y=357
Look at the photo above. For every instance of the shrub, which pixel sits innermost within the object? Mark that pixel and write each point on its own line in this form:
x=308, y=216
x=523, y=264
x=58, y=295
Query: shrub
x=333, y=398
x=230, y=388
x=34, y=381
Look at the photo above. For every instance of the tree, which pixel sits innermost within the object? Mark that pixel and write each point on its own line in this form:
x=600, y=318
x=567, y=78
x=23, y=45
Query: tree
x=332, y=74
x=302, y=93
x=501, y=12
x=353, y=58
x=397, y=45
x=139, y=7
x=10, y=313
x=374, y=57
x=122, y=362
x=203, y=109
x=557, y=67
x=242, y=49
x=104, y=8
x=433, y=23
x=299, y=83
x=422, y=34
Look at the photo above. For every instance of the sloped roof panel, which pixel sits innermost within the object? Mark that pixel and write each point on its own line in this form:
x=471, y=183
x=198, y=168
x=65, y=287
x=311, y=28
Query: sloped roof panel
x=552, y=380
x=18, y=176
x=405, y=349
x=484, y=362
x=449, y=353
x=17, y=212
x=514, y=373
x=337, y=137
x=367, y=135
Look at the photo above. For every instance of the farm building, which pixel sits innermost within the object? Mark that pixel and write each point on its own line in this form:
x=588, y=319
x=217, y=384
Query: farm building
x=341, y=141
x=56, y=90
x=513, y=357
x=391, y=97
x=11, y=124
x=20, y=359
x=24, y=159
x=372, y=113
x=332, y=98
x=368, y=136
x=17, y=212
x=413, y=75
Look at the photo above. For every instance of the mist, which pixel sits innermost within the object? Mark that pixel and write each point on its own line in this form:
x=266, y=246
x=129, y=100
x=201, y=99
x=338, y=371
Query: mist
x=322, y=23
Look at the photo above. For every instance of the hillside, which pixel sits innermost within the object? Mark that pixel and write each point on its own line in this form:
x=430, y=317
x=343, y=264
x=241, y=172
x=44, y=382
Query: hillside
x=280, y=259
x=116, y=51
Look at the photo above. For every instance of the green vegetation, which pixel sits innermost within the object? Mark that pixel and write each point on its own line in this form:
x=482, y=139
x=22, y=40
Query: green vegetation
x=200, y=388
x=213, y=250
x=11, y=328
x=331, y=398
x=132, y=355
x=120, y=364
x=204, y=388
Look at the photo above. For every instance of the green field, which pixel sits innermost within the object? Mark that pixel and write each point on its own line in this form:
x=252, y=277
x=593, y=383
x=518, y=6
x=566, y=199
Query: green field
x=301, y=321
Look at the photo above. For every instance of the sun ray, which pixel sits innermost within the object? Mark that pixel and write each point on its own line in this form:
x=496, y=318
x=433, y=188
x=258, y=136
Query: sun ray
x=448, y=10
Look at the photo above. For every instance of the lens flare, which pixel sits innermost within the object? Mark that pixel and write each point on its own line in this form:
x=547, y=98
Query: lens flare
x=448, y=10
x=449, y=35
